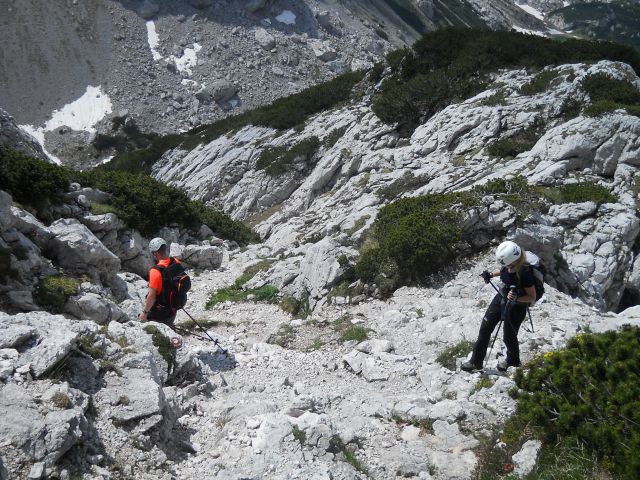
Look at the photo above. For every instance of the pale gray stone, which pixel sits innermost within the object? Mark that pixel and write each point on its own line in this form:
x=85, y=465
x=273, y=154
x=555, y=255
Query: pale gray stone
x=265, y=39
x=526, y=459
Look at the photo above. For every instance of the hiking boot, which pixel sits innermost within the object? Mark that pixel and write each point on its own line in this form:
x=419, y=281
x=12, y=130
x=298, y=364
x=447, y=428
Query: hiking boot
x=469, y=366
x=503, y=366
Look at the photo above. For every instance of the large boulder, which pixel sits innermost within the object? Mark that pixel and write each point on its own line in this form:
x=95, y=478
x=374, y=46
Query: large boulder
x=265, y=39
x=91, y=306
x=53, y=336
x=35, y=433
x=202, y=257
x=75, y=248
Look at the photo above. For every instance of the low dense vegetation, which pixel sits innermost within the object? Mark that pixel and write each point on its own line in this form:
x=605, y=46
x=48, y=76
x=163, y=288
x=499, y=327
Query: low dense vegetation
x=33, y=183
x=415, y=238
x=452, y=64
x=278, y=160
x=583, y=403
x=140, y=201
x=608, y=94
x=283, y=113
x=54, y=291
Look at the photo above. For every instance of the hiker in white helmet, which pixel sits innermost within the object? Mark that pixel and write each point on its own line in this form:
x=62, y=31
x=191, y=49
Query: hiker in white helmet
x=510, y=306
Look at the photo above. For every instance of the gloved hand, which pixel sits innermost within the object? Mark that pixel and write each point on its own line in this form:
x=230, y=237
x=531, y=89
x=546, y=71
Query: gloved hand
x=486, y=276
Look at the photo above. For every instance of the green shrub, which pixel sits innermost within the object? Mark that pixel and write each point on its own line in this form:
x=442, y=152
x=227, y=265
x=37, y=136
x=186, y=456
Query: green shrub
x=414, y=238
x=586, y=192
x=251, y=272
x=54, y=291
x=589, y=391
x=539, y=83
x=602, y=87
x=88, y=345
x=451, y=64
x=424, y=424
x=447, y=358
x=297, y=307
x=278, y=160
x=497, y=98
x=570, y=108
x=608, y=94
x=333, y=137
x=407, y=183
x=266, y=293
x=33, y=183
x=601, y=107
x=518, y=143
x=166, y=350
x=148, y=205
x=299, y=435
x=355, y=332
x=411, y=238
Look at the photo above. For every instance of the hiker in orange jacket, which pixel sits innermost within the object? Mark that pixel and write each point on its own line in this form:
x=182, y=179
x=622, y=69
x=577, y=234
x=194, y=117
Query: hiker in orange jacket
x=153, y=309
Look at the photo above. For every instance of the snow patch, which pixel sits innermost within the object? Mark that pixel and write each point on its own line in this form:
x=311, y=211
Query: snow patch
x=530, y=32
x=531, y=11
x=287, y=17
x=82, y=114
x=154, y=40
x=188, y=60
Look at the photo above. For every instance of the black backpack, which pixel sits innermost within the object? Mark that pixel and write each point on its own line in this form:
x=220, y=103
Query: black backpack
x=539, y=271
x=175, y=285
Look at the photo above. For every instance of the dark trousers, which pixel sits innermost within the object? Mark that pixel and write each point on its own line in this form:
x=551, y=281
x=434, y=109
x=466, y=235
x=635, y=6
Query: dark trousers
x=162, y=314
x=514, y=315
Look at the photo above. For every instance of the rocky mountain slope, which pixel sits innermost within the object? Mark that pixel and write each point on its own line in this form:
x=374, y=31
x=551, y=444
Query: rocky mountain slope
x=167, y=66
x=92, y=392
x=347, y=182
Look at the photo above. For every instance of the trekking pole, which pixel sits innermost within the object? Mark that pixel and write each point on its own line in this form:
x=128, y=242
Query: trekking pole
x=530, y=320
x=507, y=304
x=215, y=341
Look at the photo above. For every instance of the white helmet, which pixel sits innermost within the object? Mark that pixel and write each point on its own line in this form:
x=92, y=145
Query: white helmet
x=156, y=244
x=507, y=253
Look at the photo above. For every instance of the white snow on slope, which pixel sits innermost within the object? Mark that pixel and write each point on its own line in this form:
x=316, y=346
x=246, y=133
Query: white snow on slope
x=288, y=17
x=154, y=40
x=80, y=115
x=530, y=32
x=531, y=11
x=188, y=60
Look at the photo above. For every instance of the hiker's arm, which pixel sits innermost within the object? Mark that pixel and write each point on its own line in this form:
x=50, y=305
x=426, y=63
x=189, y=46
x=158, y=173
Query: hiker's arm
x=148, y=304
x=530, y=296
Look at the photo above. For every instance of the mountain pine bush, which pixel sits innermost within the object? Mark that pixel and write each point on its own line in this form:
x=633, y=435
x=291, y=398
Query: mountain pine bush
x=452, y=64
x=608, y=94
x=415, y=238
x=589, y=391
x=140, y=201
x=33, y=183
